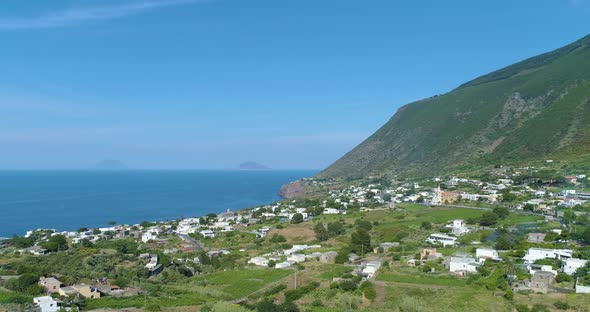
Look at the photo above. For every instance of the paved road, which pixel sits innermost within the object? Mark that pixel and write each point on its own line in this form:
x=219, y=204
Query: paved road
x=189, y=239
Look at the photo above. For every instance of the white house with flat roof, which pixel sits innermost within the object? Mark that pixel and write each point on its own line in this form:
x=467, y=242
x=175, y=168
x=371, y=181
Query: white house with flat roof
x=458, y=227
x=463, y=265
x=439, y=238
x=534, y=254
x=259, y=261
x=207, y=233
x=296, y=258
x=331, y=211
x=482, y=254
x=46, y=304
x=570, y=266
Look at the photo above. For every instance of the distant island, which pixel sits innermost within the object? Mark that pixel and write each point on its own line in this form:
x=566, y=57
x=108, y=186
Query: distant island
x=252, y=165
x=110, y=164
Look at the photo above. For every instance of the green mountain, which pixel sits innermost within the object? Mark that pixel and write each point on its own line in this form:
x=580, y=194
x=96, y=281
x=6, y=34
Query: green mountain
x=532, y=110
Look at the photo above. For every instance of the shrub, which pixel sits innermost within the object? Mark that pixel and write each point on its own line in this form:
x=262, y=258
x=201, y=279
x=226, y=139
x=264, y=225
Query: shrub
x=363, y=224
x=539, y=308
x=297, y=218
x=522, y=308
x=426, y=225
x=152, y=307
x=563, y=277
x=368, y=290
x=347, y=285
x=277, y=238
x=562, y=305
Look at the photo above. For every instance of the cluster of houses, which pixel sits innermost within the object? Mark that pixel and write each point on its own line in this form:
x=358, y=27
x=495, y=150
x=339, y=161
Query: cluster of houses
x=56, y=290
x=282, y=259
x=543, y=276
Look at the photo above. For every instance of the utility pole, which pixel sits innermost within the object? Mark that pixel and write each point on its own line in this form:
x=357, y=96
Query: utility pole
x=295, y=278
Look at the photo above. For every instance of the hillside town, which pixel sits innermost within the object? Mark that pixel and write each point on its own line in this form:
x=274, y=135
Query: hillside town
x=515, y=231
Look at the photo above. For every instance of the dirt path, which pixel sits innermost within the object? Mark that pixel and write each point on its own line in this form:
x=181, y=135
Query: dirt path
x=380, y=290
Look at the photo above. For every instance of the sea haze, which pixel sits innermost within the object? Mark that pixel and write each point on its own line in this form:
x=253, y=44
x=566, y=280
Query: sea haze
x=68, y=200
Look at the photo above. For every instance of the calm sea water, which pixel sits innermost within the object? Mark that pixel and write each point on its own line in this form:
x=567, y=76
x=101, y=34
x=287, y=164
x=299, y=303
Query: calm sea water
x=68, y=200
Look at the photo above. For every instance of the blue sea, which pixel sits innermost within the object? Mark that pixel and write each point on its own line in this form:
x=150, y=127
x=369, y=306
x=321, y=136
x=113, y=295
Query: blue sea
x=68, y=200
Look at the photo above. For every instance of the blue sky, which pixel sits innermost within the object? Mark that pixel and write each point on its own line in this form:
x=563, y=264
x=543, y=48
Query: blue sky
x=212, y=83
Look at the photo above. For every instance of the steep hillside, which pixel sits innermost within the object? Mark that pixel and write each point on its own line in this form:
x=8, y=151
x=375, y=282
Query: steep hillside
x=533, y=109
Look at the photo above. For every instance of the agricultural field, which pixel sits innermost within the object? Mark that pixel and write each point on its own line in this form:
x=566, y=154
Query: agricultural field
x=241, y=283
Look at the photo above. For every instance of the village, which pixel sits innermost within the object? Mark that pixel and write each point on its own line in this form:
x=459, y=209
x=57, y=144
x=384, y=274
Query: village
x=530, y=231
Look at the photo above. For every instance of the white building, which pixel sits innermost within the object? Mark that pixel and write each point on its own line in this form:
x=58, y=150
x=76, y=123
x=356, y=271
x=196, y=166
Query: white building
x=260, y=261
x=296, y=258
x=439, y=238
x=331, y=211
x=228, y=228
x=471, y=197
x=207, y=233
x=369, y=268
x=148, y=236
x=534, y=254
x=46, y=304
x=436, y=196
x=571, y=265
x=297, y=248
x=458, y=227
x=282, y=265
x=463, y=265
x=482, y=254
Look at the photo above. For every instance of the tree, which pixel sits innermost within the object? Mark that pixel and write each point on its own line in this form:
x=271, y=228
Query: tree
x=56, y=243
x=507, y=196
x=529, y=207
x=24, y=284
x=360, y=241
x=426, y=225
x=335, y=229
x=320, y=232
x=277, y=238
x=501, y=212
x=22, y=242
x=363, y=224
x=86, y=243
x=569, y=216
x=503, y=243
x=342, y=256
x=488, y=219
x=111, y=223
x=586, y=236
x=297, y=218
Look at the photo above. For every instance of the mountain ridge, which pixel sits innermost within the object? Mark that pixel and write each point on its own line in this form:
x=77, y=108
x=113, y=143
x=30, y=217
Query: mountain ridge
x=522, y=111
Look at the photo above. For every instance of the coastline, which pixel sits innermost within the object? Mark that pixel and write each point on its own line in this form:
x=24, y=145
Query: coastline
x=162, y=196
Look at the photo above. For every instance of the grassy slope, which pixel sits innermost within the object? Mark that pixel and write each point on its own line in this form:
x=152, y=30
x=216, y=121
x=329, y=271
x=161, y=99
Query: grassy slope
x=474, y=123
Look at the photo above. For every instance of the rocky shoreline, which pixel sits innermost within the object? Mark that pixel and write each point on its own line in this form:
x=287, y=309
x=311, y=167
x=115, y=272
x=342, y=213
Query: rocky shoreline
x=292, y=190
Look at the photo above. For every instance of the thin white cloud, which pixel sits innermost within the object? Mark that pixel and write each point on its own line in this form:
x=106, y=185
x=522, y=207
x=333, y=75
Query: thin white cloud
x=74, y=16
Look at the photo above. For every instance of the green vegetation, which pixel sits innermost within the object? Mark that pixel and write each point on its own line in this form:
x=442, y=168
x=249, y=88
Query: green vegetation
x=422, y=279
x=240, y=283
x=531, y=111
